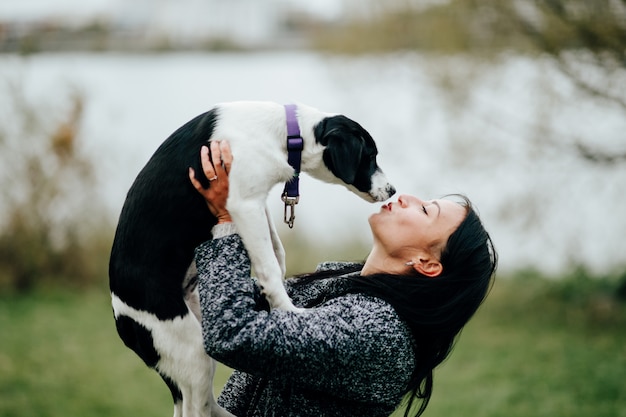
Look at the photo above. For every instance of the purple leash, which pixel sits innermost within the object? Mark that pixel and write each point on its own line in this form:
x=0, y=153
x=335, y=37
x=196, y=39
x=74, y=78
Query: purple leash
x=295, y=144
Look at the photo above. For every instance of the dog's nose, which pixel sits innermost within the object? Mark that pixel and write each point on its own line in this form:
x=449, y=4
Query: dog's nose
x=390, y=190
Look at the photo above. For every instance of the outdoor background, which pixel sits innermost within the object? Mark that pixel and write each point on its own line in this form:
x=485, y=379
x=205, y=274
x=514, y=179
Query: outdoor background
x=520, y=105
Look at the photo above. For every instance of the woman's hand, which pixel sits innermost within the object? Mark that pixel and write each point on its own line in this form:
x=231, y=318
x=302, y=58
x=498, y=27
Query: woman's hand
x=216, y=168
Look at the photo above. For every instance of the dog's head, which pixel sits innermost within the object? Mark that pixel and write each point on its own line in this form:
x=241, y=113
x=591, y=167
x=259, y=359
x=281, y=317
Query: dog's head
x=350, y=155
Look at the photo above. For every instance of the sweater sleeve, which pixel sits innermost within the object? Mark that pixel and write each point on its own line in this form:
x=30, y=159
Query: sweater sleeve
x=352, y=344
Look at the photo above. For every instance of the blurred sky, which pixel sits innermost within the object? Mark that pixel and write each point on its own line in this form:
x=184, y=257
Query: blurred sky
x=246, y=22
x=537, y=199
x=85, y=9
x=534, y=191
x=36, y=9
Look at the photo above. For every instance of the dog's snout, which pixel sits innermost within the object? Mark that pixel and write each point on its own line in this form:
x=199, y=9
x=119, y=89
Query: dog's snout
x=381, y=188
x=382, y=193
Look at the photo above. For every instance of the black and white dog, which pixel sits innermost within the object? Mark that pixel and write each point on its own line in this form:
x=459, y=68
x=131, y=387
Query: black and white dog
x=164, y=219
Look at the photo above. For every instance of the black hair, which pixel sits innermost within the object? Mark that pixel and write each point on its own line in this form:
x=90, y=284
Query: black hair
x=436, y=309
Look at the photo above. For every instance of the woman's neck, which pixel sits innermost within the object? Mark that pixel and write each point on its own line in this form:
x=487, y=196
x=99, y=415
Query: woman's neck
x=380, y=262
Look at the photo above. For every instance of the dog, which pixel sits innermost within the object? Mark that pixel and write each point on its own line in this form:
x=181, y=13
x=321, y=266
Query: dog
x=164, y=219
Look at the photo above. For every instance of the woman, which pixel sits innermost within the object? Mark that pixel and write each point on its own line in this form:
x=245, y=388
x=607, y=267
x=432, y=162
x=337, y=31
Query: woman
x=371, y=333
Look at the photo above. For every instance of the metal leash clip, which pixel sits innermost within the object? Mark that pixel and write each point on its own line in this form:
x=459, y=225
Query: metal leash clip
x=290, y=209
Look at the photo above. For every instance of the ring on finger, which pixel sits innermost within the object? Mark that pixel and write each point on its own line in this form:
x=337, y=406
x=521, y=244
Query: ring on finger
x=213, y=178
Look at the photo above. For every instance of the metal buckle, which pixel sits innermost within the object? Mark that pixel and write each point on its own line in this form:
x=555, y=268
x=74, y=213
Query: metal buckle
x=290, y=209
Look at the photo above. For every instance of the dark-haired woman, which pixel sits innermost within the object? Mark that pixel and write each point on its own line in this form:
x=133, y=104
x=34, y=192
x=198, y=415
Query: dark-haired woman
x=371, y=334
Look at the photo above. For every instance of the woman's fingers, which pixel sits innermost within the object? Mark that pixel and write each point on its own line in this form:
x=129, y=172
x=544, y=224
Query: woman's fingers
x=192, y=177
x=221, y=157
x=216, y=158
x=227, y=156
x=214, y=164
x=207, y=165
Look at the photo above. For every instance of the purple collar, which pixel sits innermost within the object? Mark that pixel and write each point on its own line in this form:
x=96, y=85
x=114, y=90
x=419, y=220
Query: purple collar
x=295, y=144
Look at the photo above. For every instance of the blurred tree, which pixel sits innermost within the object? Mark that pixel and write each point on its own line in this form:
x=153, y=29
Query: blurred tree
x=46, y=184
x=585, y=39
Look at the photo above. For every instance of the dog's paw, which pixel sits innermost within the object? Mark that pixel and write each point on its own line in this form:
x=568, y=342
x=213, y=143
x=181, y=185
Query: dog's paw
x=288, y=307
x=294, y=309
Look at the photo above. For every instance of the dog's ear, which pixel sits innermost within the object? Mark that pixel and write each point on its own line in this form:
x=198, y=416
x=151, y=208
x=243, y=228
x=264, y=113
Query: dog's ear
x=343, y=155
x=344, y=146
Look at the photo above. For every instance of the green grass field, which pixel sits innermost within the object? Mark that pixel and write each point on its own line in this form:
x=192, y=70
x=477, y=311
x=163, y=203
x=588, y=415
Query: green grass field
x=534, y=349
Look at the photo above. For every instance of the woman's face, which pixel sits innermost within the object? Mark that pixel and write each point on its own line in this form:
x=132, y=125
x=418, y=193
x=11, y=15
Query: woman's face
x=412, y=224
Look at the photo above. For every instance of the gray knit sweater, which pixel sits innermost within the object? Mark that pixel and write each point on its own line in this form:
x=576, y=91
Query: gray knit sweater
x=350, y=355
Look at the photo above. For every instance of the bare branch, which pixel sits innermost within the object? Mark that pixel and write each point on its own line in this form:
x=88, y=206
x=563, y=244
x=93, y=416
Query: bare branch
x=595, y=156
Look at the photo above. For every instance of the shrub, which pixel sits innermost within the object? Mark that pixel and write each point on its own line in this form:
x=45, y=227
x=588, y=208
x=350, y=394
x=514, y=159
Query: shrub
x=46, y=182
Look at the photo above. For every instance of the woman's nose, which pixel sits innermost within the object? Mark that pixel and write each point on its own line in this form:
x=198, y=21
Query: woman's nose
x=406, y=200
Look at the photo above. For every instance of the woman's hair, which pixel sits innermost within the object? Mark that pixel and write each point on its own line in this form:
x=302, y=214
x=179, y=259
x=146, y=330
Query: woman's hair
x=436, y=309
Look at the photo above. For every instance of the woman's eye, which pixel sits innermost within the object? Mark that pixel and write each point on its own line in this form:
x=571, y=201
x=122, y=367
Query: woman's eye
x=424, y=209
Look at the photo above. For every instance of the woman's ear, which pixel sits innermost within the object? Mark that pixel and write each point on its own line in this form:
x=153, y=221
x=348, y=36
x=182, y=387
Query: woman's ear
x=428, y=266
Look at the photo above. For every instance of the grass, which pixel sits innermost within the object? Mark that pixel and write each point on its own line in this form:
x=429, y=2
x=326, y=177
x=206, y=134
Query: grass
x=61, y=356
x=534, y=349
x=540, y=349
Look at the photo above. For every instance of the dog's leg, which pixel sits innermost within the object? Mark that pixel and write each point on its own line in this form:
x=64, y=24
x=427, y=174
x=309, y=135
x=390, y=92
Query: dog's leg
x=177, y=355
x=190, y=291
x=252, y=224
x=184, y=360
x=195, y=375
x=192, y=404
x=277, y=244
x=177, y=396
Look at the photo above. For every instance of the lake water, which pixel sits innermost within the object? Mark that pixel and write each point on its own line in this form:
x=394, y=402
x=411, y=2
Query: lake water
x=503, y=139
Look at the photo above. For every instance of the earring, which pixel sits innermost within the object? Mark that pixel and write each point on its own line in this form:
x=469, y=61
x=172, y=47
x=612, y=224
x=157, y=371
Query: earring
x=410, y=263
